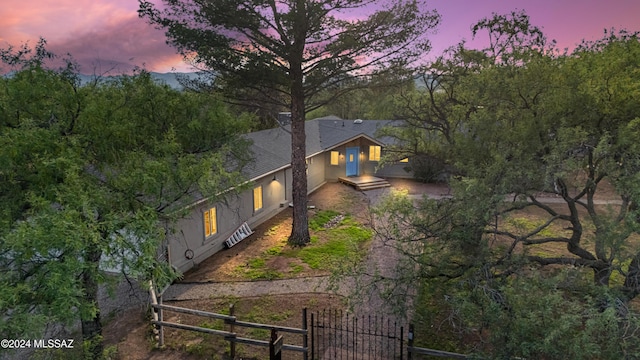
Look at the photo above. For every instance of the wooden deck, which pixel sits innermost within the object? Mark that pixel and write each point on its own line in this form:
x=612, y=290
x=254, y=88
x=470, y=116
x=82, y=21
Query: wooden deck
x=365, y=182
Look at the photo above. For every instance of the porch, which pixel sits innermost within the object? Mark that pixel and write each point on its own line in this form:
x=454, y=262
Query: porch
x=365, y=182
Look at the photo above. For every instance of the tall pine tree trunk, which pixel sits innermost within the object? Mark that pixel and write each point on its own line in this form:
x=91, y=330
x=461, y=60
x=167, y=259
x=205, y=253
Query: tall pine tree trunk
x=92, y=327
x=300, y=230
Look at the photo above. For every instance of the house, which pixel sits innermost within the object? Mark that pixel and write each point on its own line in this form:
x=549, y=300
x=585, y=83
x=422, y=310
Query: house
x=337, y=150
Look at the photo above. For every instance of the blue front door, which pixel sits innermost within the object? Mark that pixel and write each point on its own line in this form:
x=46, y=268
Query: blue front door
x=352, y=161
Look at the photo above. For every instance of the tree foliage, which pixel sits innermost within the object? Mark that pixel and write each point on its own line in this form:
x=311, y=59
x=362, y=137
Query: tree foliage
x=289, y=52
x=531, y=138
x=92, y=178
x=367, y=99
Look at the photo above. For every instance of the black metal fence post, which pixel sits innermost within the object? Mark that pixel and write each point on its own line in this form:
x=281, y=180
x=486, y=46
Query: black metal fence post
x=305, y=340
x=275, y=346
x=410, y=343
x=401, y=342
x=232, y=344
x=313, y=337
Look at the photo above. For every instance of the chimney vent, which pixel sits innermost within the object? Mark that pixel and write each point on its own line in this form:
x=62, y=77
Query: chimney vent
x=284, y=118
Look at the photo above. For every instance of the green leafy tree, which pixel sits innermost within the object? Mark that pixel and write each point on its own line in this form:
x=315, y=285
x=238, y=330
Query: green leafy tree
x=291, y=51
x=91, y=178
x=527, y=130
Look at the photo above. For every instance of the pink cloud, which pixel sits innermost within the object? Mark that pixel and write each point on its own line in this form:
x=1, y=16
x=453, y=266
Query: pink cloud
x=119, y=46
x=100, y=35
x=566, y=22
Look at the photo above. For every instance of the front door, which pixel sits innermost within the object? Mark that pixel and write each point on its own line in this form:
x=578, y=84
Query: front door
x=352, y=161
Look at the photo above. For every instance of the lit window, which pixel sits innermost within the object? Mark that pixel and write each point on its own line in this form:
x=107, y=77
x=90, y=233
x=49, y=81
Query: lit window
x=210, y=222
x=405, y=160
x=374, y=153
x=257, y=198
x=334, y=157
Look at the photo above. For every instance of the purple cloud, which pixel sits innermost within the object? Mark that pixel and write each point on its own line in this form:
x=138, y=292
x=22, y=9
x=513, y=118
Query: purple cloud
x=119, y=47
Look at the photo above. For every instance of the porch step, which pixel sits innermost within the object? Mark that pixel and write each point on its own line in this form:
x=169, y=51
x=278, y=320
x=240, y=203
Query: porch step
x=364, y=183
x=240, y=234
x=373, y=185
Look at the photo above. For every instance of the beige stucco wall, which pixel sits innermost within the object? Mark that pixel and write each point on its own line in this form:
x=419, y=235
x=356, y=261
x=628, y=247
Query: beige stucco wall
x=231, y=213
x=315, y=172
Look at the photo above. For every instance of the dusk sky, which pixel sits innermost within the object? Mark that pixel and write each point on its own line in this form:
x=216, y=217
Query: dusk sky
x=107, y=35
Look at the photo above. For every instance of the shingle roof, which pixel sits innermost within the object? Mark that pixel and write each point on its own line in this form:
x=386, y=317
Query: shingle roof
x=336, y=131
x=272, y=148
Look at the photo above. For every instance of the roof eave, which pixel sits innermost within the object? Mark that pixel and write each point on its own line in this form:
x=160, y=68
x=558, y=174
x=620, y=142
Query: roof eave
x=375, y=141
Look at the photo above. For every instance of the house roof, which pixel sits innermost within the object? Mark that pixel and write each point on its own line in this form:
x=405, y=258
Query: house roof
x=272, y=148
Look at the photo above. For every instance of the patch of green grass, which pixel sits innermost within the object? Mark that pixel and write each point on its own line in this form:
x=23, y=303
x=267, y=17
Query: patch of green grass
x=229, y=299
x=259, y=334
x=272, y=230
x=263, y=274
x=215, y=324
x=538, y=251
x=257, y=263
x=525, y=225
x=296, y=269
x=275, y=250
x=280, y=316
x=318, y=221
x=354, y=233
x=341, y=243
x=326, y=248
x=258, y=312
x=196, y=349
x=256, y=269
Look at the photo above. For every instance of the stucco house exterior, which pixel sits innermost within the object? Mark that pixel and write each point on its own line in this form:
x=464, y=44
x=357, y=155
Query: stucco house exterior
x=336, y=149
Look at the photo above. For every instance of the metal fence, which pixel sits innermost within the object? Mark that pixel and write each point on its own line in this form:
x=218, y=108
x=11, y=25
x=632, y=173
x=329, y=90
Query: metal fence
x=331, y=334
x=336, y=335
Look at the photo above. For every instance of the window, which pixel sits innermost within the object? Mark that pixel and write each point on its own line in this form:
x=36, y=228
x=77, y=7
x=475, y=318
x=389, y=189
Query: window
x=374, y=153
x=405, y=160
x=257, y=198
x=210, y=222
x=334, y=157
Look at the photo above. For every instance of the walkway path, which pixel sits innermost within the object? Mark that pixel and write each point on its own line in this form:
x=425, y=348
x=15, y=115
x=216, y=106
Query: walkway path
x=206, y=290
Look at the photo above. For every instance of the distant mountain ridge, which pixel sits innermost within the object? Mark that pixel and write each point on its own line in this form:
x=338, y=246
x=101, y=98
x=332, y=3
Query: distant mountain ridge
x=170, y=79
